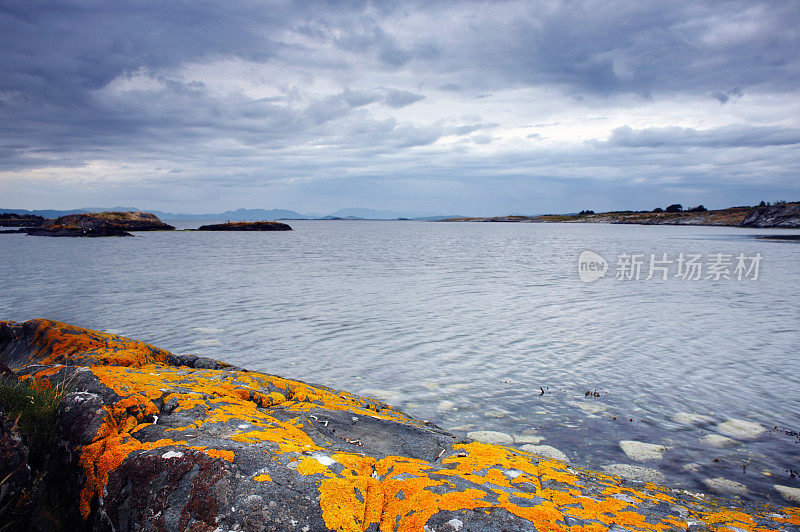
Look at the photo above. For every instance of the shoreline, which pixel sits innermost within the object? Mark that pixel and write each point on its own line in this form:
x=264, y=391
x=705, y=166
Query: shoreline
x=778, y=216
x=142, y=417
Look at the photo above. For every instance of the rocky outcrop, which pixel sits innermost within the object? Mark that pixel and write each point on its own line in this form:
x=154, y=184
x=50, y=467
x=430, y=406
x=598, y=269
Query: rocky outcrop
x=154, y=441
x=99, y=224
x=778, y=215
x=246, y=226
x=10, y=219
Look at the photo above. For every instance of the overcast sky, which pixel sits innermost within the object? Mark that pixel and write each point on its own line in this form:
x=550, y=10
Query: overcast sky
x=421, y=107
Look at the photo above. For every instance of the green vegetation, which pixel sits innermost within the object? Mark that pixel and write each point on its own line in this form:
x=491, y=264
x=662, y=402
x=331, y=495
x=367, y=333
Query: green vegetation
x=34, y=405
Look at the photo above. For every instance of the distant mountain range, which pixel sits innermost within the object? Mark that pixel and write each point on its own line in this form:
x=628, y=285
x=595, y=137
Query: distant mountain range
x=352, y=213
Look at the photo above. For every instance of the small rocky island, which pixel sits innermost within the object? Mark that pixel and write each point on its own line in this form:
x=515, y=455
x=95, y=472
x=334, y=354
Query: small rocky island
x=246, y=226
x=97, y=224
x=10, y=219
x=142, y=439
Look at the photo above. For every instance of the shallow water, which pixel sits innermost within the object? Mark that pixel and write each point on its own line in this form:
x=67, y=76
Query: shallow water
x=466, y=325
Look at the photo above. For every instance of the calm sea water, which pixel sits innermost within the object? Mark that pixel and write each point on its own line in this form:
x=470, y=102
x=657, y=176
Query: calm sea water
x=466, y=324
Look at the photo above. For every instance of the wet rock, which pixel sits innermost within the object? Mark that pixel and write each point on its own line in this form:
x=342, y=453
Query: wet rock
x=633, y=472
x=149, y=440
x=546, y=451
x=688, y=418
x=527, y=438
x=716, y=440
x=725, y=486
x=641, y=452
x=388, y=396
x=741, y=429
x=789, y=493
x=491, y=436
x=445, y=405
x=590, y=407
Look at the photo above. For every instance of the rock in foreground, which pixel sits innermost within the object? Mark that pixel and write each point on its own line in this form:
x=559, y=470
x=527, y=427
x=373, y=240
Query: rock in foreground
x=246, y=226
x=155, y=441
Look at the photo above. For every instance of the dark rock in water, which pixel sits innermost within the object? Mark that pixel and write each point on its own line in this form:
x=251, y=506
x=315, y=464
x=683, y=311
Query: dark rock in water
x=60, y=230
x=99, y=224
x=10, y=219
x=778, y=215
x=779, y=237
x=155, y=441
x=246, y=226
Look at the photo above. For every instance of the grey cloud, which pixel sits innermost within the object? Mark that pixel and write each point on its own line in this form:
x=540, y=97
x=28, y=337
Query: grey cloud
x=58, y=58
x=450, y=87
x=360, y=98
x=470, y=128
x=398, y=98
x=725, y=97
x=723, y=137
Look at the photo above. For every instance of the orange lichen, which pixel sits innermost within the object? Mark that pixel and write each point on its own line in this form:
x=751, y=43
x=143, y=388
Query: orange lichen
x=54, y=342
x=313, y=466
x=793, y=516
x=216, y=453
x=46, y=372
x=101, y=457
x=351, y=504
x=355, y=491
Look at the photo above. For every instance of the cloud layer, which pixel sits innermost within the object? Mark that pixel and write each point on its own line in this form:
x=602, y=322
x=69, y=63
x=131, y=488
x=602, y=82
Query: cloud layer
x=424, y=107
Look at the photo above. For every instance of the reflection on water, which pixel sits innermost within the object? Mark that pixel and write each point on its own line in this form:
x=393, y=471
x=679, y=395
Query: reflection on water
x=467, y=325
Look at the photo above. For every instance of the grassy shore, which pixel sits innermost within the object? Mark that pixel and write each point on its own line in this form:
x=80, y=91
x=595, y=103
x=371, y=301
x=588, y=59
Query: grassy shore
x=732, y=217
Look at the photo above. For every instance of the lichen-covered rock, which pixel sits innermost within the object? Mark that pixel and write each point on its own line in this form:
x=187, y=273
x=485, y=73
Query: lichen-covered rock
x=778, y=215
x=246, y=226
x=161, y=442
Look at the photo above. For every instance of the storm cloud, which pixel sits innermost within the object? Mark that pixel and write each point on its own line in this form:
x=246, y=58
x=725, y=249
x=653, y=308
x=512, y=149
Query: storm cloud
x=471, y=107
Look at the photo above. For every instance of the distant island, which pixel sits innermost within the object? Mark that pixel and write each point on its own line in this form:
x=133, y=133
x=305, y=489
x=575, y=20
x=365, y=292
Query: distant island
x=248, y=215
x=115, y=224
x=86, y=225
x=246, y=226
x=778, y=215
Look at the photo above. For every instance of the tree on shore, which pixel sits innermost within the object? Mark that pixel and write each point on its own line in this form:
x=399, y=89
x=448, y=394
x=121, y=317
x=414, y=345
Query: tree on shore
x=675, y=207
